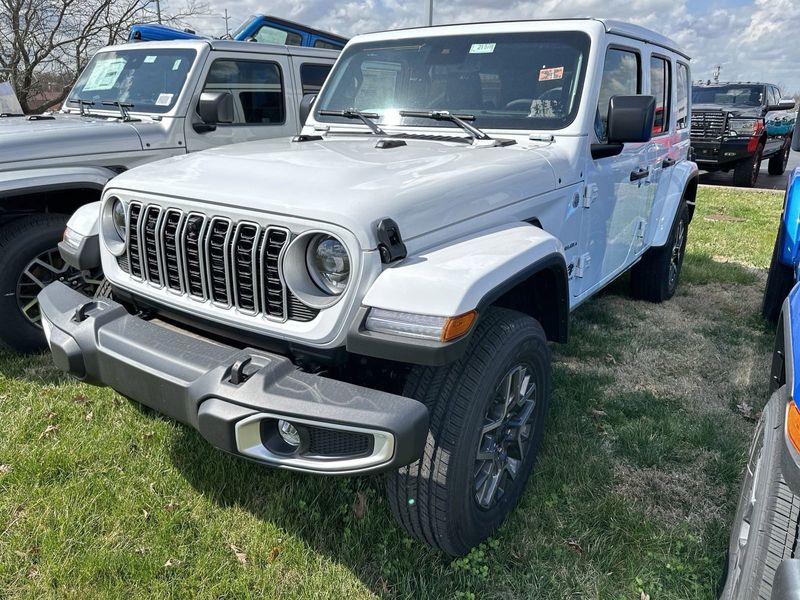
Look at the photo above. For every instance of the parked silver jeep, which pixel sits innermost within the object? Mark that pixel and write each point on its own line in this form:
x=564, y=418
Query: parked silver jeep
x=131, y=105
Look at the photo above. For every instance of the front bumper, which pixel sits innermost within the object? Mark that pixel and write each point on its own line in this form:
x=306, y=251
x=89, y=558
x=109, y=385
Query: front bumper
x=233, y=397
x=721, y=154
x=762, y=559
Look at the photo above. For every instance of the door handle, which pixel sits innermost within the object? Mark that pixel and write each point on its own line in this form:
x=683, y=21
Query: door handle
x=668, y=162
x=639, y=174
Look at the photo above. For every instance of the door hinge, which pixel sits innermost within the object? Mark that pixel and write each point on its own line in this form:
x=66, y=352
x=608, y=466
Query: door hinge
x=590, y=194
x=582, y=264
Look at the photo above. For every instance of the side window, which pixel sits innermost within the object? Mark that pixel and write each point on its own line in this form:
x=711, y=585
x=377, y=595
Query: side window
x=256, y=87
x=328, y=45
x=313, y=76
x=683, y=96
x=273, y=35
x=660, y=84
x=621, y=77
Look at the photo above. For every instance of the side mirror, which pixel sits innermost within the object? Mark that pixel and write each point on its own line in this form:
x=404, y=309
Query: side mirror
x=214, y=108
x=784, y=104
x=630, y=119
x=306, y=104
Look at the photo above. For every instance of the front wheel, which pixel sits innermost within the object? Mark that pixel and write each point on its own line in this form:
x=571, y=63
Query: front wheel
x=655, y=277
x=745, y=174
x=29, y=261
x=487, y=414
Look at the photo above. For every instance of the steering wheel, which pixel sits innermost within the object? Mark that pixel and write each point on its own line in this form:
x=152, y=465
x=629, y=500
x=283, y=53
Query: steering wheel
x=520, y=104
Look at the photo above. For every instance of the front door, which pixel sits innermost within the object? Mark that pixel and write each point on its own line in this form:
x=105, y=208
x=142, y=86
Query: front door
x=261, y=110
x=618, y=187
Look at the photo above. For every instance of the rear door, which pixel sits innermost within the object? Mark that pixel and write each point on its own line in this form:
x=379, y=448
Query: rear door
x=258, y=84
x=309, y=74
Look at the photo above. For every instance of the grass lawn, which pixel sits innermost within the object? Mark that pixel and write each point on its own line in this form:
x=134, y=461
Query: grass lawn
x=651, y=418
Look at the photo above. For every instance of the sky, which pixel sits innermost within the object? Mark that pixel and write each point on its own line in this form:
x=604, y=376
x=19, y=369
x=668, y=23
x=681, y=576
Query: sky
x=749, y=39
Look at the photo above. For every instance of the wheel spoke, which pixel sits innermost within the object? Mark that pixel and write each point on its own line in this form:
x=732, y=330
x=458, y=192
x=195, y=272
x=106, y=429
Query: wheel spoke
x=512, y=466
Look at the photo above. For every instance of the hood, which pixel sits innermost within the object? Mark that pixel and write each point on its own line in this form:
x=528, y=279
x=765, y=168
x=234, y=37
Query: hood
x=733, y=111
x=423, y=185
x=63, y=136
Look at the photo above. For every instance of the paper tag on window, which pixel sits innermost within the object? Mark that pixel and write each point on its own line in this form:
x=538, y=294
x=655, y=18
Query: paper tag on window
x=176, y=64
x=150, y=59
x=482, y=48
x=164, y=99
x=551, y=74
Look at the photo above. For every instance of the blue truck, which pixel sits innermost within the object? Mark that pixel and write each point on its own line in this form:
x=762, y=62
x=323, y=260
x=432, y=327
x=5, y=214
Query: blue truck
x=763, y=554
x=258, y=28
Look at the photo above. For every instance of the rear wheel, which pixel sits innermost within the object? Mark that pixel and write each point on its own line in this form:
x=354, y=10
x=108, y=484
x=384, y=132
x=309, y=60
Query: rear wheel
x=655, y=277
x=29, y=261
x=745, y=174
x=487, y=414
x=780, y=280
x=777, y=164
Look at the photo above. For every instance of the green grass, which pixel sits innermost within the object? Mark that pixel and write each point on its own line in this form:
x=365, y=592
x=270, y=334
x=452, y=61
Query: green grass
x=634, y=491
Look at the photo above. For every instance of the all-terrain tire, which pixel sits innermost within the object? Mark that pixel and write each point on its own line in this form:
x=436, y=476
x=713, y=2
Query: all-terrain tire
x=436, y=499
x=21, y=241
x=780, y=280
x=655, y=277
x=745, y=174
x=777, y=164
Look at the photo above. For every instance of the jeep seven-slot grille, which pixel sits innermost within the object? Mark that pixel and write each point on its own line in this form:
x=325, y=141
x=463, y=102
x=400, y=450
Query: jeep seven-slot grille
x=707, y=125
x=212, y=258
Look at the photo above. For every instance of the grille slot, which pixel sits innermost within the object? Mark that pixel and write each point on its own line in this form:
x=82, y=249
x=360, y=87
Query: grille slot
x=707, y=125
x=337, y=443
x=149, y=228
x=170, y=237
x=274, y=289
x=134, y=251
x=235, y=265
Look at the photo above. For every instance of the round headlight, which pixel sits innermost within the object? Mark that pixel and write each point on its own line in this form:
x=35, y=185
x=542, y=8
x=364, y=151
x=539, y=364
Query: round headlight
x=118, y=218
x=328, y=264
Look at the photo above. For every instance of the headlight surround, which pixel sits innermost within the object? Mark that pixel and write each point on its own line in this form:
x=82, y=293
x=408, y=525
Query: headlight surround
x=743, y=127
x=317, y=268
x=328, y=264
x=113, y=225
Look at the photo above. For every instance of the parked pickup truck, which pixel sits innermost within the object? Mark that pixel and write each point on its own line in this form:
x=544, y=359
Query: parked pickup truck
x=133, y=104
x=378, y=293
x=258, y=28
x=737, y=125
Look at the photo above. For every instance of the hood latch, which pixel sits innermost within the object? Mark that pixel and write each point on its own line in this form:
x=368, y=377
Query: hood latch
x=390, y=242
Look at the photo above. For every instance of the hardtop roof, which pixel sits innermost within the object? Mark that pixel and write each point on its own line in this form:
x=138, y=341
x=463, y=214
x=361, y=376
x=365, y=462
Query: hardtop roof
x=229, y=46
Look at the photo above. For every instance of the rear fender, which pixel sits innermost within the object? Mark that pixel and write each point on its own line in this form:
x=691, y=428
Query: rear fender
x=789, y=231
x=682, y=186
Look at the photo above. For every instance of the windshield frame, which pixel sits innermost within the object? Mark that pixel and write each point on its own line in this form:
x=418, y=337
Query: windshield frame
x=582, y=41
x=723, y=86
x=71, y=101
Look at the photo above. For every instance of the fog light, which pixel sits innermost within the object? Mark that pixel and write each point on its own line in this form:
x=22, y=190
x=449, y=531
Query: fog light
x=288, y=433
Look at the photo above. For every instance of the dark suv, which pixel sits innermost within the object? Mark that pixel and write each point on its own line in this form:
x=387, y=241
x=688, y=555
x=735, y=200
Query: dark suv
x=737, y=125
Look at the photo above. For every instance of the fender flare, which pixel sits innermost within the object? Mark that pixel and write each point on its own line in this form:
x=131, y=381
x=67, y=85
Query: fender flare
x=685, y=177
x=789, y=227
x=466, y=274
x=29, y=181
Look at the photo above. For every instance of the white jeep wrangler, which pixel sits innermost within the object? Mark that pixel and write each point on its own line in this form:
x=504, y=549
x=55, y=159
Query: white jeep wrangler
x=133, y=104
x=378, y=293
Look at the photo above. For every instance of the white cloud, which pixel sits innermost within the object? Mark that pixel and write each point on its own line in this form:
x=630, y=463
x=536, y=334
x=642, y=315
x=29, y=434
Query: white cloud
x=751, y=40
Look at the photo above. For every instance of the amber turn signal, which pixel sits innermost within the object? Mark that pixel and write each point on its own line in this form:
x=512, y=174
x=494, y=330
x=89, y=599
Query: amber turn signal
x=455, y=327
x=793, y=425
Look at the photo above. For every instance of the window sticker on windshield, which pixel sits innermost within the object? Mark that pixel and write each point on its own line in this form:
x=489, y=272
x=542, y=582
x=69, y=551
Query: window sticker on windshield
x=150, y=59
x=482, y=48
x=551, y=74
x=176, y=65
x=104, y=75
x=164, y=99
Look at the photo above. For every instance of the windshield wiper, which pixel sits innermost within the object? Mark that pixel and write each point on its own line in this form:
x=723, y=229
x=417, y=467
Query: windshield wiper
x=443, y=115
x=352, y=113
x=123, y=108
x=81, y=105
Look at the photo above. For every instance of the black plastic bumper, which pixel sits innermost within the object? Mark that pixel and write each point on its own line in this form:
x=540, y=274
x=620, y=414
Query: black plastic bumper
x=215, y=388
x=712, y=155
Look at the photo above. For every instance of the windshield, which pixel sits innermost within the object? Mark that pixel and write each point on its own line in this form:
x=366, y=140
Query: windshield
x=506, y=81
x=731, y=95
x=149, y=79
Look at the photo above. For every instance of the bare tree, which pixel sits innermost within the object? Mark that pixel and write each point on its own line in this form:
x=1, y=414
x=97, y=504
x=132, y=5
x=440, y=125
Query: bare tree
x=47, y=43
